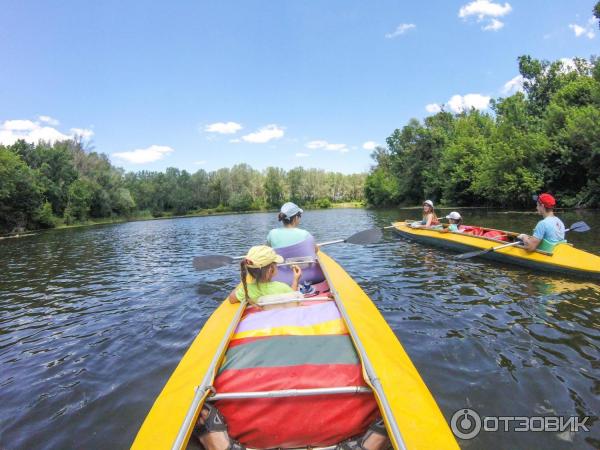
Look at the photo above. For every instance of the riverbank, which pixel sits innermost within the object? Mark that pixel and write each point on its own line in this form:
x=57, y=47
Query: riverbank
x=144, y=216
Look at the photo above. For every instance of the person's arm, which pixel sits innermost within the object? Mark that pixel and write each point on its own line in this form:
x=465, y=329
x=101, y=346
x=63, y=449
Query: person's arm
x=297, y=274
x=233, y=297
x=429, y=220
x=529, y=242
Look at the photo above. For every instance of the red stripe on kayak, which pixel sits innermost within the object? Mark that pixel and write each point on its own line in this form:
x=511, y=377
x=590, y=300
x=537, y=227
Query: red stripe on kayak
x=295, y=421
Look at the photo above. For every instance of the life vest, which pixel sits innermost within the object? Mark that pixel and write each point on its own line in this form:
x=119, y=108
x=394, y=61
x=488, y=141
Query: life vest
x=548, y=246
x=311, y=272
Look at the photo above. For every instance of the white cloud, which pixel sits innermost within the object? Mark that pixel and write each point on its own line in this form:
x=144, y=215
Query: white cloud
x=265, y=134
x=13, y=130
x=19, y=125
x=342, y=148
x=47, y=134
x=460, y=103
x=302, y=155
x=568, y=65
x=578, y=30
x=486, y=11
x=433, y=108
x=144, y=155
x=83, y=133
x=235, y=141
x=400, y=29
x=336, y=147
x=49, y=120
x=223, y=127
x=369, y=145
x=513, y=85
x=585, y=30
x=494, y=25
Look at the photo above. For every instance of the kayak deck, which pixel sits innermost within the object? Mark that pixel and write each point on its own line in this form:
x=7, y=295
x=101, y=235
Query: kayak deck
x=369, y=369
x=564, y=259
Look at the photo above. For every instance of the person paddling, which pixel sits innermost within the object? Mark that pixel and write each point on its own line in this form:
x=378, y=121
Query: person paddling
x=289, y=234
x=549, y=231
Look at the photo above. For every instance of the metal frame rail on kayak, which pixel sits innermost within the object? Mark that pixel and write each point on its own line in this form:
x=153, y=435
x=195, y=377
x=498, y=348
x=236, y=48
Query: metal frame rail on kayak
x=204, y=387
x=284, y=393
x=372, y=376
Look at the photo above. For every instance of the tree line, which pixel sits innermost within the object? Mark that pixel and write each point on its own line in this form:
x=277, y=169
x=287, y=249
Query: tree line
x=44, y=184
x=546, y=138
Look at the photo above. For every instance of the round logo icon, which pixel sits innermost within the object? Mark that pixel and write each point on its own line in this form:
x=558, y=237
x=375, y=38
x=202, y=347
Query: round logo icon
x=465, y=423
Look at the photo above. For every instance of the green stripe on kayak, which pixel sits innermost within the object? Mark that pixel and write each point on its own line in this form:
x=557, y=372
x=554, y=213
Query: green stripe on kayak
x=279, y=351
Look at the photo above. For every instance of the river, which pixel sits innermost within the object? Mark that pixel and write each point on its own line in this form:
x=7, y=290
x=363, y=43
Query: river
x=94, y=320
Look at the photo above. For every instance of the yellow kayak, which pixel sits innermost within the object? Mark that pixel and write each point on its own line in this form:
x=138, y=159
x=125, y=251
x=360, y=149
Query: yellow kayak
x=386, y=380
x=564, y=258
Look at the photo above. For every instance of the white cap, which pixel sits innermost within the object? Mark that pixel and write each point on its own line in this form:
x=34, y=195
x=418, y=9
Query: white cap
x=290, y=209
x=454, y=216
x=428, y=202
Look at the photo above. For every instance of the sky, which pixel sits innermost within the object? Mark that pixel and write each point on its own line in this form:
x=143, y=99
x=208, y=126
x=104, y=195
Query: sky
x=209, y=84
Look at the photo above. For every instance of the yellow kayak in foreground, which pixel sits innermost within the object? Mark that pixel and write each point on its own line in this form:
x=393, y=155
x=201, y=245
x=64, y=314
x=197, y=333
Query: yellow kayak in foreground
x=413, y=419
x=565, y=258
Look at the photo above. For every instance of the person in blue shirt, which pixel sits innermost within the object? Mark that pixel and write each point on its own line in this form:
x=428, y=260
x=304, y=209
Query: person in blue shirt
x=549, y=231
x=289, y=234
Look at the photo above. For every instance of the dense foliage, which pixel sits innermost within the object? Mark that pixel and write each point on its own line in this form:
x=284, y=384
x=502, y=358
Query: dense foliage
x=546, y=138
x=45, y=184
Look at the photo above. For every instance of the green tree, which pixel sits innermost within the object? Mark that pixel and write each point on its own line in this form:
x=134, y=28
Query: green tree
x=274, y=186
x=20, y=192
x=79, y=200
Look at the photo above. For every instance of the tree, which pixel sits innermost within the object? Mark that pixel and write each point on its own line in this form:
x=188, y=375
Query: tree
x=20, y=192
x=274, y=186
x=79, y=200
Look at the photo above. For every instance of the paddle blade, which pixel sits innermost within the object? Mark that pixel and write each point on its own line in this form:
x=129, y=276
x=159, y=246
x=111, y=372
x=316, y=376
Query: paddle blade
x=472, y=254
x=366, y=237
x=579, y=227
x=211, y=261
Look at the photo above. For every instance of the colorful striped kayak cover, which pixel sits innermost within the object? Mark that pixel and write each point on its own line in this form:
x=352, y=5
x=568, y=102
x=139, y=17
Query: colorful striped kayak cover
x=293, y=348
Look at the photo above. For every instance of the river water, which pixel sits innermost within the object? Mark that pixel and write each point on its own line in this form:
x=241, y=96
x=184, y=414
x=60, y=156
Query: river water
x=94, y=320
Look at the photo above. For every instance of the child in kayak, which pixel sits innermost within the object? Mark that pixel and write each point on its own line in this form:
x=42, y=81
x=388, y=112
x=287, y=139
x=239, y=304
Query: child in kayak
x=455, y=220
x=429, y=218
x=261, y=264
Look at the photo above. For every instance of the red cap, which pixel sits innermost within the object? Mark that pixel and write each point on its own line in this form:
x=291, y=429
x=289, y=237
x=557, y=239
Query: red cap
x=547, y=200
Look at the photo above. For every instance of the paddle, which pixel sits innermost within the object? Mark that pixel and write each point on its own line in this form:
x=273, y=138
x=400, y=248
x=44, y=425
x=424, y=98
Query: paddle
x=579, y=227
x=364, y=237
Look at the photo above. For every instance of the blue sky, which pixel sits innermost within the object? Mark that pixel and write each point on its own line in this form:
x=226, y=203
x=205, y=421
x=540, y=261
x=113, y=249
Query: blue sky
x=208, y=84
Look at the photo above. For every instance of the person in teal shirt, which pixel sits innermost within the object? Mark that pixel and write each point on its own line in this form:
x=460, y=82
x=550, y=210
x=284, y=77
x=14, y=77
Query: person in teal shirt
x=289, y=234
x=549, y=231
x=455, y=220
